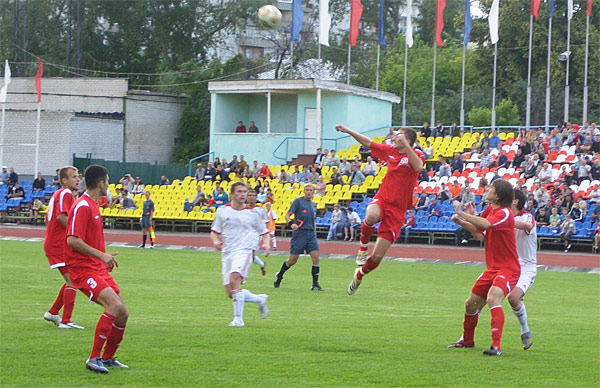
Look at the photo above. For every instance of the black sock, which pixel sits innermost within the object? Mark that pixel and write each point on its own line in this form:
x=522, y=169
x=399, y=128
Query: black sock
x=284, y=267
x=315, y=274
x=144, y=240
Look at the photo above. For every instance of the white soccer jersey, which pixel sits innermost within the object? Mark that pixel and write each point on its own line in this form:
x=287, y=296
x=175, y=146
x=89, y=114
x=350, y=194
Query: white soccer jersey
x=527, y=242
x=262, y=214
x=238, y=228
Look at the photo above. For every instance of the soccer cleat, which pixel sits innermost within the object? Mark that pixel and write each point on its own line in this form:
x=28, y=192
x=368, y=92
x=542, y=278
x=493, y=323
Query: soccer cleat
x=262, y=305
x=492, y=351
x=142, y=246
x=460, y=344
x=52, y=318
x=112, y=362
x=277, y=281
x=96, y=365
x=263, y=269
x=237, y=322
x=354, y=283
x=151, y=246
x=70, y=325
x=316, y=287
x=361, y=258
x=527, y=339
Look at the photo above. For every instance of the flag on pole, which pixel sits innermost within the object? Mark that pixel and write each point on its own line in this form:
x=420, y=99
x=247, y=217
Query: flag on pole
x=356, y=10
x=382, y=41
x=439, y=21
x=551, y=10
x=493, y=21
x=409, y=28
x=468, y=21
x=535, y=8
x=589, y=8
x=569, y=9
x=297, y=19
x=152, y=234
x=38, y=79
x=4, y=90
x=324, y=22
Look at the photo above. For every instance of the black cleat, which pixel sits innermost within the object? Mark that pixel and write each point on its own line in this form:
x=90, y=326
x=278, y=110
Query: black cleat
x=461, y=344
x=316, y=287
x=96, y=365
x=277, y=281
x=492, y=351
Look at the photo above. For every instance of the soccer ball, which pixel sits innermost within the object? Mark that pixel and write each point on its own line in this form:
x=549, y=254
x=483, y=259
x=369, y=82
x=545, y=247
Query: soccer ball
x=269, y=16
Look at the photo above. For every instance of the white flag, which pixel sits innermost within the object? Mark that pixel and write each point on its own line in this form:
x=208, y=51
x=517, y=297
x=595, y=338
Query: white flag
x=324, y=22
x=409, y=29
x=4, y=89
x=493, y=21
x=569, y=9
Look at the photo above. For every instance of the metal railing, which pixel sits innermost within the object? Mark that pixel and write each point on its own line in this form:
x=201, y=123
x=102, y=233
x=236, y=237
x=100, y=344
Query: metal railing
x=208, y=154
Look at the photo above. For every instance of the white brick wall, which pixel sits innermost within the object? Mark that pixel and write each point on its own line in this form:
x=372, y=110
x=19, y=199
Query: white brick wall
x=103, y=138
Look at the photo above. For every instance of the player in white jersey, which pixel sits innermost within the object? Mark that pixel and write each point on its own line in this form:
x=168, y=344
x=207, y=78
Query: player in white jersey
x=262, y=214
x=527, y=250
x=233, y=232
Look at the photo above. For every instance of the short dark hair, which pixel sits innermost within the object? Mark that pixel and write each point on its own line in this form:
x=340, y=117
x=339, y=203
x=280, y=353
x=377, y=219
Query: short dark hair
x=520, y=197
x=94, y=174
x=504, y=191
x=410, y=134
x=236, y=184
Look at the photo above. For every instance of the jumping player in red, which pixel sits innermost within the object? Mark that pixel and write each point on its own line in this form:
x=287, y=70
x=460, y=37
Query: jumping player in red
x=394, y=198
x=90, y=267
x=55, y=245
x=497, y=224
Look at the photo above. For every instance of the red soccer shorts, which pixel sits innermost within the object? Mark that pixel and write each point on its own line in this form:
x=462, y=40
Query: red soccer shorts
x=392, y=218
x=57, y=261
x=504, y=279
x=92, y=283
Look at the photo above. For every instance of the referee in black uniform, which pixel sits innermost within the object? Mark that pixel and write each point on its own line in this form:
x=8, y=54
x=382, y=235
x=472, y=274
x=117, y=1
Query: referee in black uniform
x=304, y=237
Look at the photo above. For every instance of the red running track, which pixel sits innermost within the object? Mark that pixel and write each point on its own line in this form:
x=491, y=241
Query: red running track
x=417, y=251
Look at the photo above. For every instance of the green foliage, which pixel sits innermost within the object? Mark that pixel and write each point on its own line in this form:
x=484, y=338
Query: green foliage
x=177, y=334
x=480, y=117
x=507, y=113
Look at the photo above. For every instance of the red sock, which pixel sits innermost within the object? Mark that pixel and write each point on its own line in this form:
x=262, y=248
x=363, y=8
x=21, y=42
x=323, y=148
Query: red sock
x=69, y=295
x=366, y=231
x=103, y=329
x=58, y=303
x=369, y=266
x=113, y=341
x=469, y=326
x=497, y=324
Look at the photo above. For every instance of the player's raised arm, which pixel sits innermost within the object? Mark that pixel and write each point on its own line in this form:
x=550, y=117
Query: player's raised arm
x=362, y=139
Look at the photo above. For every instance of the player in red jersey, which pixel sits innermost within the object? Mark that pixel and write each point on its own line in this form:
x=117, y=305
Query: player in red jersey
x=497, y=224
x=55, y=244
x=394, y=198
x=90, y=267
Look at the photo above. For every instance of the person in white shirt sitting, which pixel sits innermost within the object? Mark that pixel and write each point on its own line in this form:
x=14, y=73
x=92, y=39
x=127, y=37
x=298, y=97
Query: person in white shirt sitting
x=370, y=167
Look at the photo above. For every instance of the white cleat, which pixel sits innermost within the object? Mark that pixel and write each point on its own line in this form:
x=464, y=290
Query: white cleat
x=361, y=258
x=70, y=325
x=354, y=283
x=52, y=318
x=262, y=305
x=237, y=322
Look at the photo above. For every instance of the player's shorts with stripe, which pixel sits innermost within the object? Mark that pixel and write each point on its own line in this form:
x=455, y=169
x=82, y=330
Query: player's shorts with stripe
x=145, y=221
x=504, y=279
x=58, y=262
x=92, y=283
x=236, y=262
x=304, y=241
x=392, y=219
x=527, y=277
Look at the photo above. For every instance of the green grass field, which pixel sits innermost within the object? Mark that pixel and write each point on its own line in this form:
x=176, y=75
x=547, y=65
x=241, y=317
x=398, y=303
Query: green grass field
x=392, y=333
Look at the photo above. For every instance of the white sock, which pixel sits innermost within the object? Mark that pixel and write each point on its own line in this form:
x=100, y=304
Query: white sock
x=239, y=298
x=274, y=241
x=258, y=261
x=250, y=297
x=521, y=314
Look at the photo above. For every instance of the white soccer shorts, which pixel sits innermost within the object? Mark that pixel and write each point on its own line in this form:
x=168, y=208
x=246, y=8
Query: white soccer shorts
x=235, y=261
x=527, y=278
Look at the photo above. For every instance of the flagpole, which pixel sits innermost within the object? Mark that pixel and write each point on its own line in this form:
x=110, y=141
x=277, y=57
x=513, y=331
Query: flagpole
x=377, y=75
x=292, y=59
x=548, y=90
x=348, y=76
x=2, y=136
x=404, y=86
x=462, y=88
x=566, y=115
x=494, y=87
x=585, y=72
x=432, y=120
x=37, y=139
x=528, y=114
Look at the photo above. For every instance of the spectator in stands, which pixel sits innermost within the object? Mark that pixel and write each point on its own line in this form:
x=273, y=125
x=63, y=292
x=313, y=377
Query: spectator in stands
x=296, y=175
x=595, y=214
x=502, y=160
x=428, y=150
x=127, y=202
x=199, y=174
x=456, y=191
x=199, y=197
x=221, y=174
x=545, y=175
x=233, y=165
x=467, y=195
x=540, y=194
x=334, y=160
x=252, y=128
x=357, y=177
x=595, y=170
x=530, y=169
x=482, y=186
x=265, y=172
x=434, y=208
x=423, y=175
x=313, y=176
x=554, y=140
x=127, y=182
x=426, y=131
x=525, y=146
x=476, y=145
x=391, y=133
x=457, y=163
x=283, y=176
x=216, y=190
x=15, y=191
x=242, y=167
x=321, y=186
x=423, y=202
x=115, y=201
x=584, y=169
x=187, y=205
x=5, y=176
x=494, y=141
x=253, y=172
x=567, y=229
x=582, y=205
x=39, y=183
x=261, y=195
x=241, y=128
x=210, y=204
x=568, y=202
x=462, y=236
x=209, y=172
x=542, y=218
x=164, y=181
x=439, y=130
x=13, y=177
x=519, y=159
x=364, y=152
x=270, y=198
x=417, y=145
x=576, y=213
x=595, y=194
x=336, y=218
x=349, y=227
x=595, y=147
x=35, y=209
x=370, y=167
x=444, y=193
x=454, y=130
x=530, y=205
x=221, y=198
x=55, y=180
x=325, y=158
x=216, y=162
x=487, y=160
x=345, y=166
x=539, y=149
x=318, y=159
x=444, y=168
x=554, y=217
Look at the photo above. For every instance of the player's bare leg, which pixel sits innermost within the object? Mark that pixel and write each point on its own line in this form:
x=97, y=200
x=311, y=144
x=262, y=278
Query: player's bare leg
x=473, y=306
x=381, y=247
x=515, y=298
x=367, y=228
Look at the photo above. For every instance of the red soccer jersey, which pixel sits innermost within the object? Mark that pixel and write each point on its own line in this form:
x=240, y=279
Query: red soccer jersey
x=85, y=222
x=401, y=178
x=500, y=240
x=55, y=241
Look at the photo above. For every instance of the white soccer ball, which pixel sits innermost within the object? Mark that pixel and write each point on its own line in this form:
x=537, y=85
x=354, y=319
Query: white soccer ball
x=269, y=16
